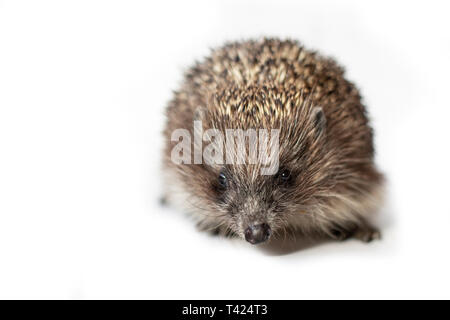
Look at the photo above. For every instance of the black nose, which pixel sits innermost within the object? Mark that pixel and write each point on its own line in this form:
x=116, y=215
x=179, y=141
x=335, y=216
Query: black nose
x=257, y=233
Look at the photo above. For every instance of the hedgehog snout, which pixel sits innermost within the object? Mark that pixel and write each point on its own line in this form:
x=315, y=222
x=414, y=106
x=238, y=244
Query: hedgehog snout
x=257, y=233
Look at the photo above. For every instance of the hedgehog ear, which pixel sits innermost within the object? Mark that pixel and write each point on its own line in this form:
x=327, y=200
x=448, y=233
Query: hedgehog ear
x=319, y=120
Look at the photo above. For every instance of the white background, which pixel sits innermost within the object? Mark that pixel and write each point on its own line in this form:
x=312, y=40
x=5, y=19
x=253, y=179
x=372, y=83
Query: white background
x=83, y=86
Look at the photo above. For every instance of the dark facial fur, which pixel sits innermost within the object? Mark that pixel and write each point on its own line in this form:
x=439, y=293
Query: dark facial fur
x=327, y=182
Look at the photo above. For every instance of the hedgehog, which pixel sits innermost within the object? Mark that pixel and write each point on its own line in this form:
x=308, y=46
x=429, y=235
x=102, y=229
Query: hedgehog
x=325, y=182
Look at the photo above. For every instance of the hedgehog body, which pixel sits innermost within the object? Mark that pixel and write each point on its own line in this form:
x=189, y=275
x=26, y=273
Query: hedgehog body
x=326, y=182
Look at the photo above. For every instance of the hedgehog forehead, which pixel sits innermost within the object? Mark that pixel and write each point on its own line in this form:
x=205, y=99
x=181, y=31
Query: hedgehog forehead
x=248, y=178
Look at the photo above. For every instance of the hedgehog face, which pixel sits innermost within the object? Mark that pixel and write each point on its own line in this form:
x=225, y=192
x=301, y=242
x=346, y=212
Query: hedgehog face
x=254, y=207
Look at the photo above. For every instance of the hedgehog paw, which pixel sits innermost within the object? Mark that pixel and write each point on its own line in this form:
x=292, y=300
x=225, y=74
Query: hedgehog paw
x=367, y=234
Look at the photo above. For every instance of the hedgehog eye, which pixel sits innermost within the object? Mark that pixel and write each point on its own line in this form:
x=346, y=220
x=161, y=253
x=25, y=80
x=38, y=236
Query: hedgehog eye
x=223, y=181
x=284, y=175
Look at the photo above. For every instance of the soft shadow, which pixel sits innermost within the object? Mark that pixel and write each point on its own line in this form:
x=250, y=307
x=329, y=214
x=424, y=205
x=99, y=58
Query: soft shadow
x=282, y=247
